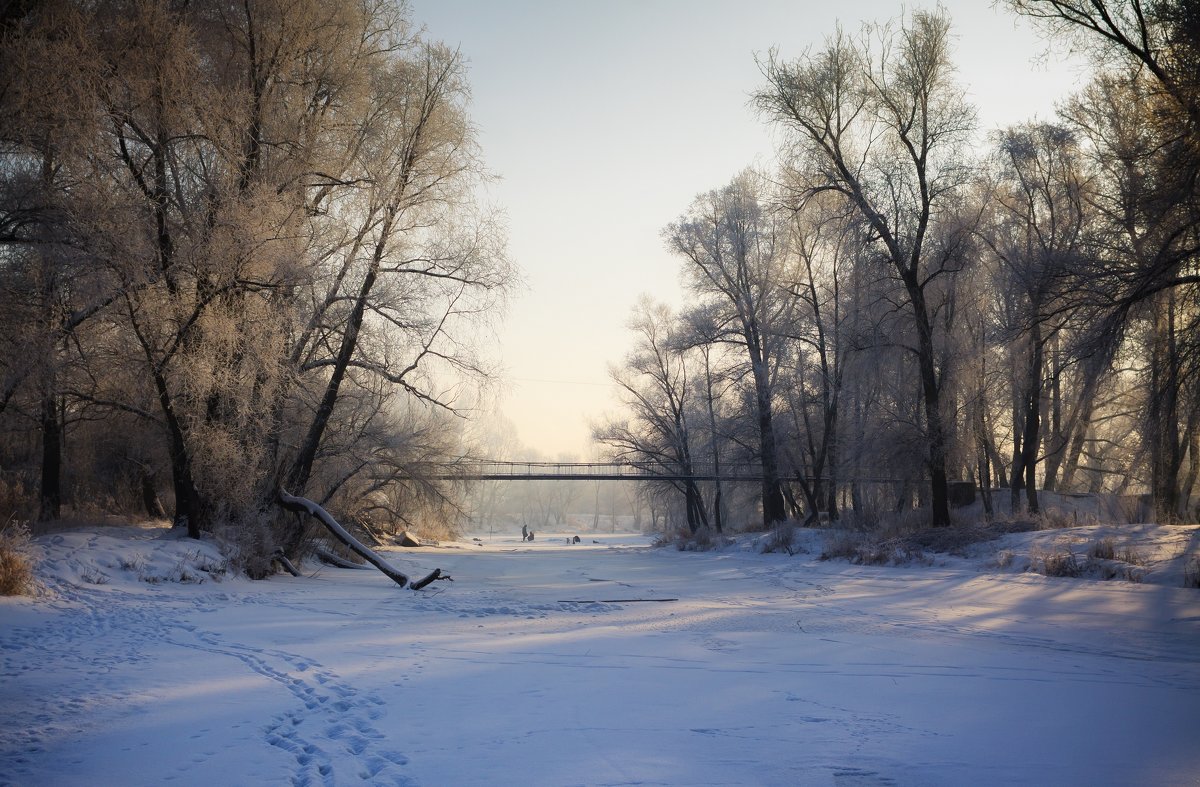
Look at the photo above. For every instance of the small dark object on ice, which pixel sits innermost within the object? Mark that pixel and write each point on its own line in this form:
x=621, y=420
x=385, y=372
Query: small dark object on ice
x=478, y=540
x=530, y=536
x=575, y=540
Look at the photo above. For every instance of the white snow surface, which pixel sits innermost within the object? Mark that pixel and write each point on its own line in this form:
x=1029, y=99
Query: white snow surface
x=141, y=664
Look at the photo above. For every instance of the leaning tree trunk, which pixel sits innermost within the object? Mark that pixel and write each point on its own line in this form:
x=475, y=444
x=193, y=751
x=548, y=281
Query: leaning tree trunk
x=300, y=504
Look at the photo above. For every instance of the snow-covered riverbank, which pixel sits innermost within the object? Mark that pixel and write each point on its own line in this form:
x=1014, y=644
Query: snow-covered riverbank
x=764, y=669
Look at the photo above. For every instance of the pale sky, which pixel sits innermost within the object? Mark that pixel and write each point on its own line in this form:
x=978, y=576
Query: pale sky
x=603, y=120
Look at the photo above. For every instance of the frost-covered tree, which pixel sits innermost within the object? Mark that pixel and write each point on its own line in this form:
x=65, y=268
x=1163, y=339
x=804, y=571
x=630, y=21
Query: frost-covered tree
x=1037, y=231
x=273, y=203
x=733, y=247
x=882, y=122
x=658, y=394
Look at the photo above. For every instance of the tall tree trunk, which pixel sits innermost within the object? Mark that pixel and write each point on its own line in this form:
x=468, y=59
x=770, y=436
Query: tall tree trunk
x=1052, y=424
x=149, y=487
x=983, y=459
x=51, y=480
x=1163, y=421
x=985, y=487
x=832, y=462
x=772, y=493
x=1193, y=452
x=1016, y=473
x=931, y=393
x=718, y=516
x=1030, y=441
x=1078, y=427
x=302, y=465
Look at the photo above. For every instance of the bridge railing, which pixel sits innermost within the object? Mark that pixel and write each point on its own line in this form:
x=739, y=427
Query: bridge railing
x=488, y=470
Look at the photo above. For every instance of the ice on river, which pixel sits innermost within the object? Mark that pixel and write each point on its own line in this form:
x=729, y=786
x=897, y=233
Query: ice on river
x=765, y=670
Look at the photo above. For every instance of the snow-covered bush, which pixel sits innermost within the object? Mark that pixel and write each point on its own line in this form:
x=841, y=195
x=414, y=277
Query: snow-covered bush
x=867, y=550
x=682, y=539
x=249, y=544
x=781, y=538
x=1057, y=564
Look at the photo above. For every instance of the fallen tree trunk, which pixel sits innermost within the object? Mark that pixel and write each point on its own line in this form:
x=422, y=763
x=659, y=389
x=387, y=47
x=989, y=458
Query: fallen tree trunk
x=334, y=559
x=281, y=558
x=304, y=505
x=436, y=575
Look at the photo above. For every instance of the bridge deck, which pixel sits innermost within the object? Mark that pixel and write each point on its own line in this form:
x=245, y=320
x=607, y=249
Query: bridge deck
x=586, y=471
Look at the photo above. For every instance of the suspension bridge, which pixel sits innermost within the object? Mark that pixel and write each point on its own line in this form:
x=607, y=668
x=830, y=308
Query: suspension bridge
x=489, y=470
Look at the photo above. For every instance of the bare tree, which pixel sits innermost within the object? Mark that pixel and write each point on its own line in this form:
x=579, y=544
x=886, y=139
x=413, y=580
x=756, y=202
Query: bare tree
x=46, y=67
x=733, y=246
x=655, y=388
x=1038, y=232
x=701, y=331
x=882, y=123
x=1142, y=116
x=1144, y=268
x=823, y=246
x=416, y=139
x=1162, y=36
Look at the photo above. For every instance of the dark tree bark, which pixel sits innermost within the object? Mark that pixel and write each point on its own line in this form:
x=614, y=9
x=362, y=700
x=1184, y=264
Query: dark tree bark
x=51, y=481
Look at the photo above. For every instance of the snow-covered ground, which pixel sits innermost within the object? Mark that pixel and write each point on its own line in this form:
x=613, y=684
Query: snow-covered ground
x=726, y=667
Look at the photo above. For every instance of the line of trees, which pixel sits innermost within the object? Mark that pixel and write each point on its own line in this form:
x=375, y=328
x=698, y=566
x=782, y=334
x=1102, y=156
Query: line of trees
x=240, y=251
x=894, y=309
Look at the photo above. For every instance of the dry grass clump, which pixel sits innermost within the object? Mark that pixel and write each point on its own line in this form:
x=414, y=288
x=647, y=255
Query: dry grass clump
x=906, y=537
x=1101, y=560
x=193, y=567
x=1131, y=556
x=1102, y=550
x=1057, y=519
x=16, y=567
x=703, y=540
x=250, y=545
x=781, y=539
x=435, y=529
x=1132, y=509
x=952, y=540
x=18, y=500
x=842, y=545
x=1057, y=564
x=864, y=550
